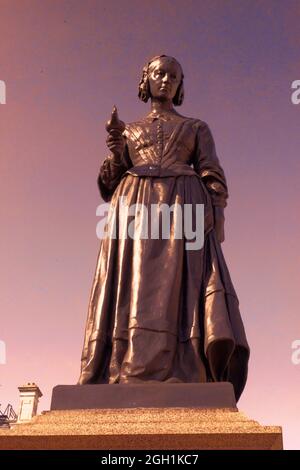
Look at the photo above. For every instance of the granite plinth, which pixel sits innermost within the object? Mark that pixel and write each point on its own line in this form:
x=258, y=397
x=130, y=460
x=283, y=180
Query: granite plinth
x=142, y=416
x=142, y=428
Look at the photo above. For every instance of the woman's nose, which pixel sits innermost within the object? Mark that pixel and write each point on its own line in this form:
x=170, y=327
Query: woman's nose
x=166, y=77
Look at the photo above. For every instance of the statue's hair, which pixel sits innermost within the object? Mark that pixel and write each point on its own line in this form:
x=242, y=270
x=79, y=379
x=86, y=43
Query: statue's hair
x=144, y=87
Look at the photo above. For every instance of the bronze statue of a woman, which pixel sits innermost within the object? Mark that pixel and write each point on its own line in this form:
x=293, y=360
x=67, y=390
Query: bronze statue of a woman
x=159, y=312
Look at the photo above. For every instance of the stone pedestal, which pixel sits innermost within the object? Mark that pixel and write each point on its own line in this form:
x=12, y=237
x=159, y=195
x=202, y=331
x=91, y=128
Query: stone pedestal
x=185, y=416
x=146, y=395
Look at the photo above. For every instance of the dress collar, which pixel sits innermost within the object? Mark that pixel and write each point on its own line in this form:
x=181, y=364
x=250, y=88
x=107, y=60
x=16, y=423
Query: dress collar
x=164, y=116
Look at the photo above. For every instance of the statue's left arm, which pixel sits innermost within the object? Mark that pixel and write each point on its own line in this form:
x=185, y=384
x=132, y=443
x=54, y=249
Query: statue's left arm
x=207, y=165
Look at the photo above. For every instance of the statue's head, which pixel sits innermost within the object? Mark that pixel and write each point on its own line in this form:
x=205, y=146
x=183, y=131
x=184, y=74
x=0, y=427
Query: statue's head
x=152, y=76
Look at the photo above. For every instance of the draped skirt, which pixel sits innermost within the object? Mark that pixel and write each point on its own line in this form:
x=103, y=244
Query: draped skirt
x=162, y=306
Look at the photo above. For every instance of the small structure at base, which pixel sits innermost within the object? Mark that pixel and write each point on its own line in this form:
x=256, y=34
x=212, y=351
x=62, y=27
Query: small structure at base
x=29, y=399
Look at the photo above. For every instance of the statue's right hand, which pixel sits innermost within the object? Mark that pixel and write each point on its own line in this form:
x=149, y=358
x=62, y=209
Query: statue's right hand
x=116, y=144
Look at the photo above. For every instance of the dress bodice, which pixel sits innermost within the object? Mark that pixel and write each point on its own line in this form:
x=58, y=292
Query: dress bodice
x=166, y=145
x=163, y=144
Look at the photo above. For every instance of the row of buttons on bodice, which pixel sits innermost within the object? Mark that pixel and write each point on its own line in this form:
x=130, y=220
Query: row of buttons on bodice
x=160, y=144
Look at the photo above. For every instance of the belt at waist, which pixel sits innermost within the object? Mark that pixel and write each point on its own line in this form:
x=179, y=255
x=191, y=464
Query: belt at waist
x=156, y=170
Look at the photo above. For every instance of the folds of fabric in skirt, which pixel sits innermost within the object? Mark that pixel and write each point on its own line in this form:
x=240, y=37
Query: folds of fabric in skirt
x=158, y=311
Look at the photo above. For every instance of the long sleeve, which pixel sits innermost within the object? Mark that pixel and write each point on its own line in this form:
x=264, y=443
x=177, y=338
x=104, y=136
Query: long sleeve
x=207, y=165
x=110, y=174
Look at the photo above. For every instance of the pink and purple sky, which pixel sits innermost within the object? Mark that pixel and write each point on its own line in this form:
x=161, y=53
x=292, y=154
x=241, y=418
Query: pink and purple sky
x=65, y=63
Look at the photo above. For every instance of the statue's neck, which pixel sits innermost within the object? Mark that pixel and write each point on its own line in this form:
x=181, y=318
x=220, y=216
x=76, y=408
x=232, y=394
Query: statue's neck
x=158, y=107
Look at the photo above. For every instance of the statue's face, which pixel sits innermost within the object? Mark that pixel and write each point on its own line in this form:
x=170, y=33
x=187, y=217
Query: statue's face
x=164, y=78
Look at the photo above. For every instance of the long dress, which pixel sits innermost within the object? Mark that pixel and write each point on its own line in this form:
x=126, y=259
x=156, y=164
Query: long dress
x=159, y=312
